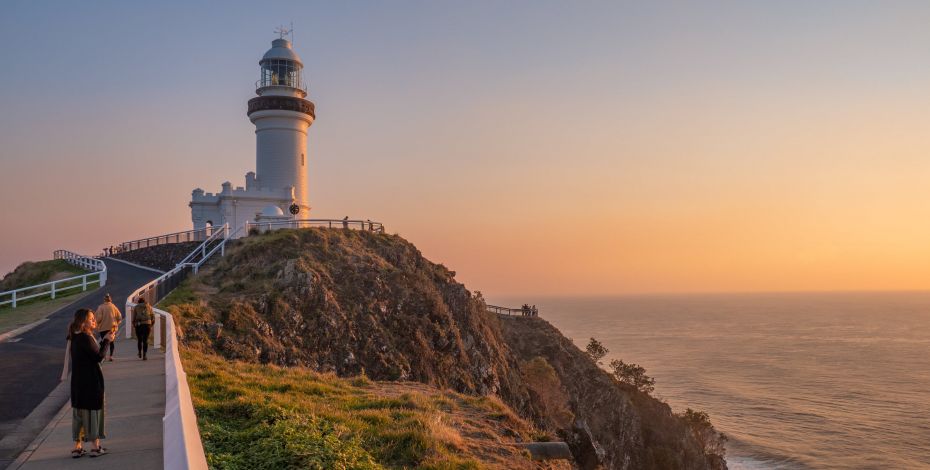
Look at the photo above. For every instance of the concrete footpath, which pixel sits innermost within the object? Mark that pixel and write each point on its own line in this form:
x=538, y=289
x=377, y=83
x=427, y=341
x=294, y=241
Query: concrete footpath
x=135, y=405
x=30, y=372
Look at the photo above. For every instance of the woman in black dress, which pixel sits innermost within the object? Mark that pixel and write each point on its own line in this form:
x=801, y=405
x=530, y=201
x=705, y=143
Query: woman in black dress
x=87, y=383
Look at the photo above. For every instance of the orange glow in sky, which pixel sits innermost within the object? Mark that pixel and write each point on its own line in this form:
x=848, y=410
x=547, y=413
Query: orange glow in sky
x=534, y=150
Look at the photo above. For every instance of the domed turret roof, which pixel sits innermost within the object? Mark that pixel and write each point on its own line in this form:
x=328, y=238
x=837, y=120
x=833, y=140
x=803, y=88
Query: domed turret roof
x=281, y=49
x=272, y=210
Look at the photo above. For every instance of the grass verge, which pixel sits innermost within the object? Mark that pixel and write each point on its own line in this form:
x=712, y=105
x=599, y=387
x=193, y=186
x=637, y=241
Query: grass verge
x=11, y=318
x=255, y=416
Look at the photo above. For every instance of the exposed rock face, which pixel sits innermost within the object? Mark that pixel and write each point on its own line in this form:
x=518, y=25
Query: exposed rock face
x=352, y=301
x=348, y=302
x=161, y=257
x=622, y=427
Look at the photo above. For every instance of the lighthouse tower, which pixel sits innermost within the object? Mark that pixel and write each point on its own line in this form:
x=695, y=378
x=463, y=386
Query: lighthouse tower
x=282, y=115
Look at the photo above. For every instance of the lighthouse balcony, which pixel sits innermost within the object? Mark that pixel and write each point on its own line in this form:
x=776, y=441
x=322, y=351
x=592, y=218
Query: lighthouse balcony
x=286, y=103
x=264, y=86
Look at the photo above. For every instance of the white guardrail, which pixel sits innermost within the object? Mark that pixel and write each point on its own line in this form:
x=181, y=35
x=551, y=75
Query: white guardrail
x=262, y=227
x=197, y=235
x=182, y=447
x=53, y=288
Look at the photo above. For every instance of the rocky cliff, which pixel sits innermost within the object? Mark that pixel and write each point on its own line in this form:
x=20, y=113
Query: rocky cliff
x=614, y=422
x=354, y=302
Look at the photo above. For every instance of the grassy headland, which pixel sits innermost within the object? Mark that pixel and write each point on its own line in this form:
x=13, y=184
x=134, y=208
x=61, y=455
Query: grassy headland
x=39, y=272
x=253, y=416
x=330, y=348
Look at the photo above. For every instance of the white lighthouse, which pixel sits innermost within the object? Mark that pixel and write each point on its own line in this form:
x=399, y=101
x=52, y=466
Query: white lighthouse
x=282, y=115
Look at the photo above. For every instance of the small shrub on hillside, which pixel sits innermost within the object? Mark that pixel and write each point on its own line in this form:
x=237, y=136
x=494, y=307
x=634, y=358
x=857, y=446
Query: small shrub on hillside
x=713, y=442
x=633, y=374
x=541, y=378
x=596, y=351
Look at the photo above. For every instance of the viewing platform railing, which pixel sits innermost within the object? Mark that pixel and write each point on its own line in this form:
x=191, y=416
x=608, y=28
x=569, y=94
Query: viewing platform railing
x=524, y=312
x=198, y=235
x=53, y=288
x=366, y=225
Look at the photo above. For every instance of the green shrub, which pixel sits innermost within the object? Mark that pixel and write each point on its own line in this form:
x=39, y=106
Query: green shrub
x=713, y=442
x=596, y=351
x=633, y=374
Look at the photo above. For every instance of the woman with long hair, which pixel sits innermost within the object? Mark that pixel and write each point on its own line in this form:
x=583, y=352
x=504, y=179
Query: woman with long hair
x=87, y=383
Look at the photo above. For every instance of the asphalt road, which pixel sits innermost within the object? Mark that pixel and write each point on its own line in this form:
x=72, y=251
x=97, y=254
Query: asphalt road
x=30, y=368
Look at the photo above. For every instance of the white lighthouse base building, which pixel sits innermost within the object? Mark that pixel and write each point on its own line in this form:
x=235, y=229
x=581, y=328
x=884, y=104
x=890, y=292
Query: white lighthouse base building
x=236, y=206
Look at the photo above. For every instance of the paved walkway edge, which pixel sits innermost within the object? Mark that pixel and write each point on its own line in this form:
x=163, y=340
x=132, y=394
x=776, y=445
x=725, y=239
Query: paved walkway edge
x=27, y=452
x=21, y=330
x=58, y=401
x=135, y=265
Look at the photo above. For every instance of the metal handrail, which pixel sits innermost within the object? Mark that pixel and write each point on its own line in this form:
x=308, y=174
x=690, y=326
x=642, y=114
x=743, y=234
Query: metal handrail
x=365, y=225
x=259, y=85
x=86, y=262
x=506, y=310
x=202, y=248
x=172, y=278
x=168, y=238
x=182, y=447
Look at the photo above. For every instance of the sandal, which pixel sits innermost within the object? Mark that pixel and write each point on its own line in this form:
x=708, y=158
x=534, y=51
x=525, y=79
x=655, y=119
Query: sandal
x=78, y=453
x=98, y=452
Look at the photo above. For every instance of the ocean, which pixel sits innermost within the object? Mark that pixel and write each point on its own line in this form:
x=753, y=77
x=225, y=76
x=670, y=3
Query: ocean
x=796, y=381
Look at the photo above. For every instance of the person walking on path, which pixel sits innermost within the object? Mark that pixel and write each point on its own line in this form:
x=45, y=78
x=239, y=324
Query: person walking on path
x=108, y=318
x=142, y=319
x=87, y=383
x=345, y=222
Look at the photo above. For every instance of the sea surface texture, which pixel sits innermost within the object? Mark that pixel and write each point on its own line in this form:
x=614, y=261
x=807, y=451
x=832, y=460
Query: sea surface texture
x=796, y=381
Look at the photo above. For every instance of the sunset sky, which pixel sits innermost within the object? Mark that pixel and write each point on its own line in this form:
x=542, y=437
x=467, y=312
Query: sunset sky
x=534, y=147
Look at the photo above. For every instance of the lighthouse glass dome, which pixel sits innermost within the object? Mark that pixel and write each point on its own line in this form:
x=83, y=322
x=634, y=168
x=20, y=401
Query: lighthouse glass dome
x=281, y=72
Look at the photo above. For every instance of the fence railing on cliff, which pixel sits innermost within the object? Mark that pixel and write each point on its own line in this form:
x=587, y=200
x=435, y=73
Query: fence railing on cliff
x=98, y=275
x=365, y=225
x=198, y=235
x=523, y=311
x=182, y=447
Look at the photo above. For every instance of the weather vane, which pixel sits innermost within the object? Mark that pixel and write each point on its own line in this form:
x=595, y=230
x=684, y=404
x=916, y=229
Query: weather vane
x=282, y=31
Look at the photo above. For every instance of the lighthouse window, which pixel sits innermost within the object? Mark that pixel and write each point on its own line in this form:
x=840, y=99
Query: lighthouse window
x=303, y=161
x=280, y=72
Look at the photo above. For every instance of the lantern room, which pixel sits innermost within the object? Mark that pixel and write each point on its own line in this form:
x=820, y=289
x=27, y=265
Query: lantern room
x=281, y=68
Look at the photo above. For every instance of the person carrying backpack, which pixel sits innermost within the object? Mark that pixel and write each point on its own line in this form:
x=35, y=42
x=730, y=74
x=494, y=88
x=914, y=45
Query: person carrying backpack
x=142, y=320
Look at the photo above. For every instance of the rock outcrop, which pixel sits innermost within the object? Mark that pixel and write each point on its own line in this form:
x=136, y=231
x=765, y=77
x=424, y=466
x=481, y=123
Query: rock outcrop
x=615, y=424
x=161, y=257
